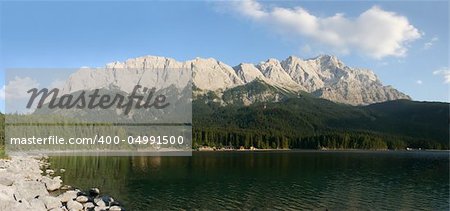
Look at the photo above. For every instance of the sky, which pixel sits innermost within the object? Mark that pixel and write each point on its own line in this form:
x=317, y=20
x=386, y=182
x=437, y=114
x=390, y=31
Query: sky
x=404, y=42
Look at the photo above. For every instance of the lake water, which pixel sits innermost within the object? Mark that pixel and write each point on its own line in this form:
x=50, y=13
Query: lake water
x=284, y=180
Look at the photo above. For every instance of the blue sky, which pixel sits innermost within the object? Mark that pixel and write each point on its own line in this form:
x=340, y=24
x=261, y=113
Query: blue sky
x=413, y=57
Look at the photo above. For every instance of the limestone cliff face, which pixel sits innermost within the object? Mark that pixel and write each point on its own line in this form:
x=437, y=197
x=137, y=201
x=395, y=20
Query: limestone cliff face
x=324, y=76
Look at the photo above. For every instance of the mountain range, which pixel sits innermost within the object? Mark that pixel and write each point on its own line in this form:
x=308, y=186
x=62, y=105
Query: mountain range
x=324, y=76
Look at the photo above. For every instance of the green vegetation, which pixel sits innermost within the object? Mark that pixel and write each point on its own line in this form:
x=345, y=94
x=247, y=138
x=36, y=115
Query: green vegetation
x=311, y=123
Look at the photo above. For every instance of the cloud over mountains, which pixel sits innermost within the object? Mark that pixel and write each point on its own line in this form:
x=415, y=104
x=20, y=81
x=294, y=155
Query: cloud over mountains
x=375, y=32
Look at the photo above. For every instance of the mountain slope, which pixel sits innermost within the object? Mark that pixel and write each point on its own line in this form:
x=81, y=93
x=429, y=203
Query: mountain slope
x=395, y=125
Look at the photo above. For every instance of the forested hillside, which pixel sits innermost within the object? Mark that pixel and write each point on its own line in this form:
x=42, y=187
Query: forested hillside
x=311, y=123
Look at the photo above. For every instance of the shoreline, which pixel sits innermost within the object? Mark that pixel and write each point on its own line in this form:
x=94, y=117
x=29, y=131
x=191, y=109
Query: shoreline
x=319, y=150
x=27, y=183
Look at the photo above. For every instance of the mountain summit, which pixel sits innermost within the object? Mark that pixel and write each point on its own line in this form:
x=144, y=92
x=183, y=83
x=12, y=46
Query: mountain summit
x=324, y=76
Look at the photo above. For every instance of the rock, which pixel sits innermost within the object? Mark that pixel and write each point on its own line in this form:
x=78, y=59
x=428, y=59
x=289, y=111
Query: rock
x=37, y=204
x=115, y=208
x=74, y=205
x=52, y=184
x=65, y=187
x=7, y=204
x=49, y=171
x=100, y=208
x=4, y=164
x=99, y=202
x=6, y=181
x=6, y=193
x=82, y=199
x=58, y=209
x=23, y=188
x=107, y=199
x=7, y=201
x=29, y=189
x=103, y=201
x=68, y=195
x=94, y=192
x=88, y=205
x=51, y=202
x=23, y=206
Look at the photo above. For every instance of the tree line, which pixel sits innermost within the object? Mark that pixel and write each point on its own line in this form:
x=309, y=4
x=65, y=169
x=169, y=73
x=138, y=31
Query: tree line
x=237, y=138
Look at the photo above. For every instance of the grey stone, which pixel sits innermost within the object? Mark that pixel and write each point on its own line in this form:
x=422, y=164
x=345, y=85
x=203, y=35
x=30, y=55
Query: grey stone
x=29, y=189
x=6, y=181
x=51, y=202
x=52, y=184
x=82, y=199
x=115, y=208
x=74, y=205
x=37, y=205
x=88, y=205
x=68, y=195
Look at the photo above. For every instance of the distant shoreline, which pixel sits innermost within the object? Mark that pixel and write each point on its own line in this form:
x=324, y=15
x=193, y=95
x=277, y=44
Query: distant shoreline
x=320, y=150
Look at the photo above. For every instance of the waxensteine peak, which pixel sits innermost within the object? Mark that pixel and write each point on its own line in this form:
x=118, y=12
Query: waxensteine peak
x=324, y=76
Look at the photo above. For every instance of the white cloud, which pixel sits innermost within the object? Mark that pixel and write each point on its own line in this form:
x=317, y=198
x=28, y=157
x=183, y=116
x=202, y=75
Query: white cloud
x=430, y=43
x=375, y=32
x=419, y=82
x=445, y=72
x=17, y=88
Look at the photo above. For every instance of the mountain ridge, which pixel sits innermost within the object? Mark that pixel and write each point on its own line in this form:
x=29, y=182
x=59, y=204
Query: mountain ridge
x=324, y=76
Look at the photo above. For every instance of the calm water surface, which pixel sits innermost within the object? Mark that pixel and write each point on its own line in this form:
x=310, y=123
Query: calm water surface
x=268, y=180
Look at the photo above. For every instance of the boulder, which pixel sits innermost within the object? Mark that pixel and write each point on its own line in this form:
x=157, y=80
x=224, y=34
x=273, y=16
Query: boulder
x=74, y=205
x=82, y=199
x=115, y=208
x=51, y=202
x=88, y=205
x=103, y=201
x=100, y=208
x=68, y=195
x=99, y=202
x=29, y=189
x=52, y=184
x=7, y=204
x=38, y=205
x=7, y=200
x=107, y=200
x=24, y=206
x=6, y=181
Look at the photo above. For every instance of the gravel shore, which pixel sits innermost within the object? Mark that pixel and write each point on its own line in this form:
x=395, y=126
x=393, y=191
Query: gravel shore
x=25, y=186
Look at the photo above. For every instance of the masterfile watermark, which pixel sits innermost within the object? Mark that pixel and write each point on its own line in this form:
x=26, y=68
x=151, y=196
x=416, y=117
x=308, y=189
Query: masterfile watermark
x=94, y=100
x=107, y=111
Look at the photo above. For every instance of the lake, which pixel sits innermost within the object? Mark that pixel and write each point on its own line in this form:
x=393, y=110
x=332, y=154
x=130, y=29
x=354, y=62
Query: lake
x=285, y=180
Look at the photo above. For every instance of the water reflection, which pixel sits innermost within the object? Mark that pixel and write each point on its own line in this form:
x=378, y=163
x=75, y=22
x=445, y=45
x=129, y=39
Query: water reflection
x=274, y=180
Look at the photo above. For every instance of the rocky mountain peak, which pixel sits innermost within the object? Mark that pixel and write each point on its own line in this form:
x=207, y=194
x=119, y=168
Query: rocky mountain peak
x=324, y=76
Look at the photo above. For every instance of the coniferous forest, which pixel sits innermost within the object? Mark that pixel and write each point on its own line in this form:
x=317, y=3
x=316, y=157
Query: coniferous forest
x=312, y=123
